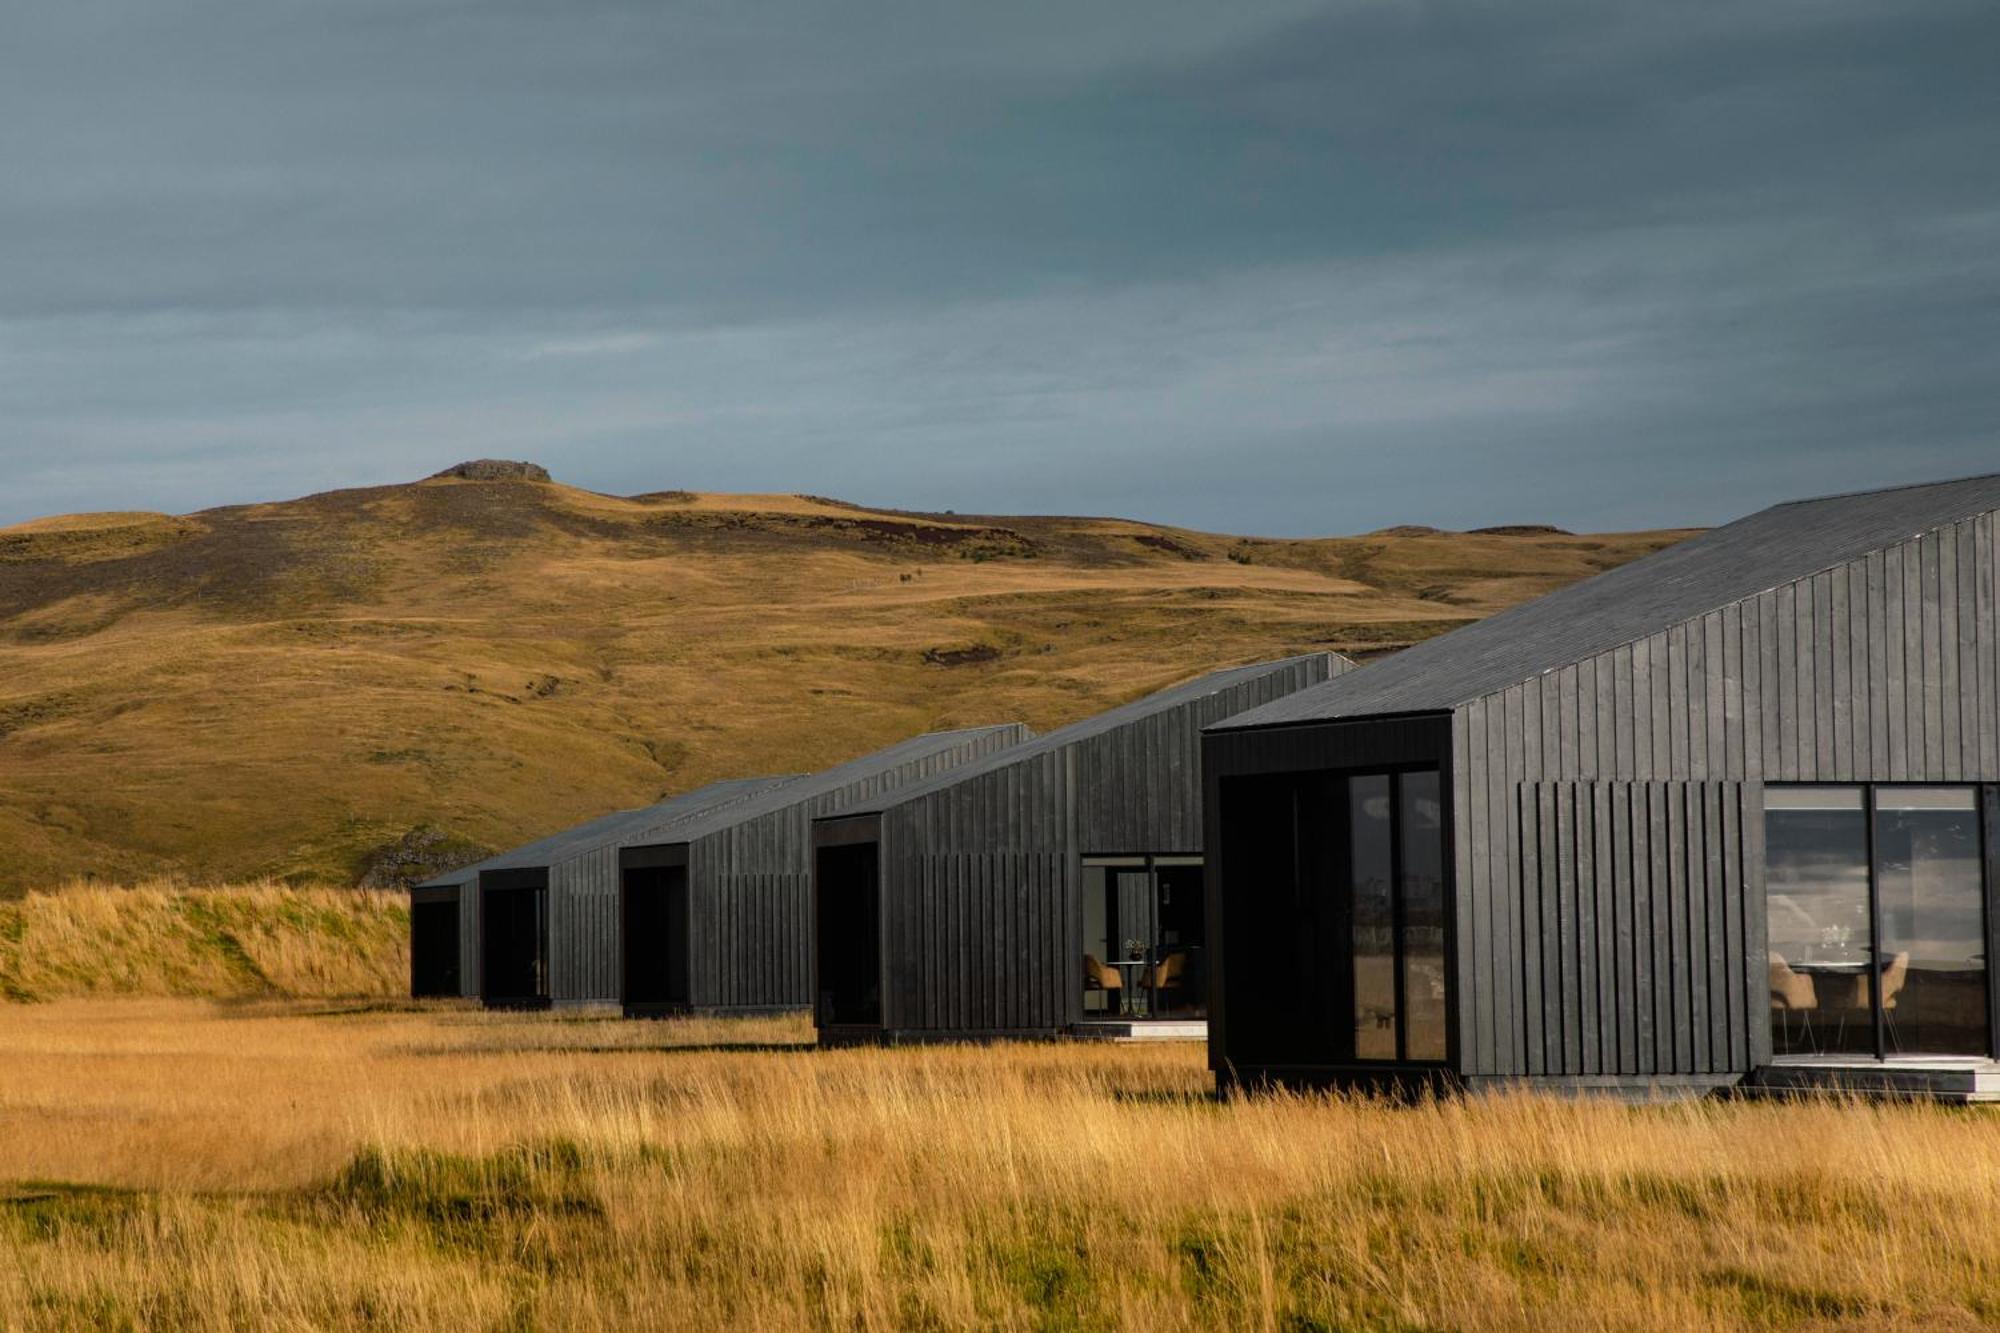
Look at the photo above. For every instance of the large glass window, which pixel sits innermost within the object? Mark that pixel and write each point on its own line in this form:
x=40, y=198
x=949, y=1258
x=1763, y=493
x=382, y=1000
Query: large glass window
x=1821, y=928
x=1421, y=815
x=1337, y=917
x=1372, y=885
x=1180, y=981
x=1931, y=885
x=1877, y=928
x=1395, y=883
x=1144, y=940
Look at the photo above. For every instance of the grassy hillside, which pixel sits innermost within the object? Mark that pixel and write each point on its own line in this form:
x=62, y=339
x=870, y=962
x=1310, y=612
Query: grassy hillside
x=238, y=942
x=282, y=689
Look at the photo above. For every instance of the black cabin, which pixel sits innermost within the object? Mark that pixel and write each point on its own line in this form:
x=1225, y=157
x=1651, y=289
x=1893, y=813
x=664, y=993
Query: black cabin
x=1722, y=815
x=1057, y=883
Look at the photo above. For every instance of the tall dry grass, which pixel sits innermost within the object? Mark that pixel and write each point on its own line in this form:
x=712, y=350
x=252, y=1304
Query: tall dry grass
x=165, y=938
x=452, y=1169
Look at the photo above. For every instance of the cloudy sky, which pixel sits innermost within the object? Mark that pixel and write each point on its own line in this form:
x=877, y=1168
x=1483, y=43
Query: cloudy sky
x=1266, y=266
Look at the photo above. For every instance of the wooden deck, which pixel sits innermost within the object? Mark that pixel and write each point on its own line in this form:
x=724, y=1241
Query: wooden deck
x=1941, y=1078
x=1142, y=1029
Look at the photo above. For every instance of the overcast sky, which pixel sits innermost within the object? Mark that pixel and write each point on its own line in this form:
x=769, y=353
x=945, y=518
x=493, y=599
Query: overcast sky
x=1264, y=266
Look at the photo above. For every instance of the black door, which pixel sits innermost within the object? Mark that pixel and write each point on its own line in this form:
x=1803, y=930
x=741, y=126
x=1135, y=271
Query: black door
x=514, y=926
x=847, y=936
x=434, y=947
x=653, y=933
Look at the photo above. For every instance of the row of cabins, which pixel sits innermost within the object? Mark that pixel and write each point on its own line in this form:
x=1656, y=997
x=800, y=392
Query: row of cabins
x=1722, y=816
x=962, y=876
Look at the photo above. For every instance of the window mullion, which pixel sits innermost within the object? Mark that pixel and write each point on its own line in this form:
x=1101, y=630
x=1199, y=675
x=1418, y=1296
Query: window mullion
x=1396, y=909
x=1873, y=963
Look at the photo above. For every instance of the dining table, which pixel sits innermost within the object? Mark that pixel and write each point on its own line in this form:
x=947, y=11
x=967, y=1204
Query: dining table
x=1130, y=971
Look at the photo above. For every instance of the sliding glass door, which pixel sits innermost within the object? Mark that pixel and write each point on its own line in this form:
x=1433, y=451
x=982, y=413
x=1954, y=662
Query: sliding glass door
x=1144, y=938
x=1394, y=882
x=1338, y=917
x=1876, y=901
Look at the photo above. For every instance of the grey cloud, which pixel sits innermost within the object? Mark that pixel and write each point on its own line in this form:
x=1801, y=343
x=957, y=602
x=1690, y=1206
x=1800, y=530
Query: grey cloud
x=1281, y=267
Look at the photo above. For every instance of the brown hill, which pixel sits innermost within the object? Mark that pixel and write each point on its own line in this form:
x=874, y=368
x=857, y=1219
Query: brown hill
x=287, y=688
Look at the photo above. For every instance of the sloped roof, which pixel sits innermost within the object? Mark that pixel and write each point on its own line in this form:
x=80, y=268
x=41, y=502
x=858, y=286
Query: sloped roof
x=605, y=829
x=1164, y=700
x=687, y=826
x=1627, y=604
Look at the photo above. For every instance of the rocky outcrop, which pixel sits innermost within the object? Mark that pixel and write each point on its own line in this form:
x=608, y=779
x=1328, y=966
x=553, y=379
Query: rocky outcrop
x=422, y=852
x=495, y=469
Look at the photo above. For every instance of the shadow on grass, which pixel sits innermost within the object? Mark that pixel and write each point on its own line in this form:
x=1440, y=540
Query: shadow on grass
x=663, y=1048
x=1166, y=1097
x=51, y=1210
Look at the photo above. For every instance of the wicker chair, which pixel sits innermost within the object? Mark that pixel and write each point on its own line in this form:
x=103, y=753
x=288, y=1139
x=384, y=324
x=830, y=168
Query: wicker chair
x=1792, y=993
x=1099, y=976
x=1894, y=977
x=1171, y=974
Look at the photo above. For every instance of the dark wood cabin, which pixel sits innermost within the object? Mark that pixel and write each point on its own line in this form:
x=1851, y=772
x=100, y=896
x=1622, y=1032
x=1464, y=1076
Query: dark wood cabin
x=1055, y=884
x=1721, y=816
x=716, y=905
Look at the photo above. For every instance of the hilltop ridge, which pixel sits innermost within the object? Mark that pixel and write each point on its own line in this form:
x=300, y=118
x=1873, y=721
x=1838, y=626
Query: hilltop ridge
x=292, y=687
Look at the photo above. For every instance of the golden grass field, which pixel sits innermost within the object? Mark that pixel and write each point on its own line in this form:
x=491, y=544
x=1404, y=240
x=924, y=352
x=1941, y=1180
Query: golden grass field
x=181, y=1163
x=277, y=689
x=304, y=1148
x=240, y=941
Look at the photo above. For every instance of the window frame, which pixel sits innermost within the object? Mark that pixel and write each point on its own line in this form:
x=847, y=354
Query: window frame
x=1347, y=1063
x=1985, y=809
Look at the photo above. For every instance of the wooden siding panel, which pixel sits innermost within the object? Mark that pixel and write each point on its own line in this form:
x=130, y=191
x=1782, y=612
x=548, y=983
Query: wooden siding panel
x=1859, y=691
x=1985, y=644
x=1788, y=718
x=1569, y=932
x=1718, y=677
x=1839, y=752
x=1950, y=650
x=1895, y=657
x=1617, y=798
x=1477, y=1000
x=1770, y=689
x=1818, y=760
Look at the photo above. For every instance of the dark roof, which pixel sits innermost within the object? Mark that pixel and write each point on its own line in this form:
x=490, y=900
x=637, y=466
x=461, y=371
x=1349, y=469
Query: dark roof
x=1775, y=546
x=605, y=828
x=1172, y=697
x=687, y=826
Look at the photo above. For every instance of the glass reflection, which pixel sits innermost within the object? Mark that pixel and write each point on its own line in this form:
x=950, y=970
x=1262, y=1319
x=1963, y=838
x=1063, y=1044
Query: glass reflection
x=1422, y=818
x=1821, y=945
x=1923, y=982
x=1372, y=869
x=1928, y=876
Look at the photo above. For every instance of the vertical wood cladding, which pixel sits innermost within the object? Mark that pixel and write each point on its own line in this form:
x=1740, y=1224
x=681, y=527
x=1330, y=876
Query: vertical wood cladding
x=1633, y=932
x=468, y=938
x=1611, y=886
x=979, y=880
x=583, y=927
x=982, y=877
x=749, y=883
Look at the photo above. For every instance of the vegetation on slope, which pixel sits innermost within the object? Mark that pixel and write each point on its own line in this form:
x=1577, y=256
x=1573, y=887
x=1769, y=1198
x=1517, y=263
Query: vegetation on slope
x=289, y=689
x=164, y=939
x=169, y=1165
